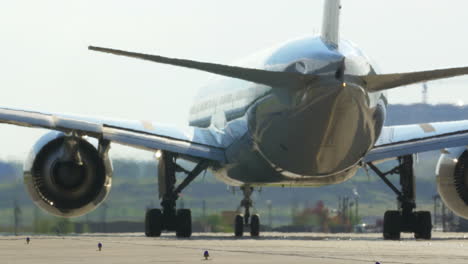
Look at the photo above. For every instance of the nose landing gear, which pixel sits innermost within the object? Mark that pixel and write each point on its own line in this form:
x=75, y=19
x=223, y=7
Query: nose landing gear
x=246, y=220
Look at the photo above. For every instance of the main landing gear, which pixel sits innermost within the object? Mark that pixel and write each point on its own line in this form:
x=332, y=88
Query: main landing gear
x=168, y=218
x=405, y=219
x=246, y=220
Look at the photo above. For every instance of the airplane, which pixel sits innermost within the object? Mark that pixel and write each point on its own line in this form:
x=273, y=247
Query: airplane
x=309, y=112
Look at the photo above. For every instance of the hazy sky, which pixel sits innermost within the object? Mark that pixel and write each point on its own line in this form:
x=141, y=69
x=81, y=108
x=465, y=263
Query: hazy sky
x=45, y=64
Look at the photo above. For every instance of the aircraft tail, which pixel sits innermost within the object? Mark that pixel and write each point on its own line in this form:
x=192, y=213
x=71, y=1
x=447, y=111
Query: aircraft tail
x=331, y=22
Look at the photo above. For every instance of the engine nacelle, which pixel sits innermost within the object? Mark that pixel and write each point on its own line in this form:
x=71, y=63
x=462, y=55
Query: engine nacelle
x=452, y=180
x=67, y=176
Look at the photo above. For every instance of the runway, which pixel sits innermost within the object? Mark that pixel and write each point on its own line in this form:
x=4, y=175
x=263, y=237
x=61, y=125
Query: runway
x=224, y=248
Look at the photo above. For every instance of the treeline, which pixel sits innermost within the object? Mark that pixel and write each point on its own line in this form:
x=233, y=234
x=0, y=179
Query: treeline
x=134, y=190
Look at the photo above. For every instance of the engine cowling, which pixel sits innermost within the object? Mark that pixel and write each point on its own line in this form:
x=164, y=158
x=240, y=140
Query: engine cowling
x=452, y=180
x=67, y=176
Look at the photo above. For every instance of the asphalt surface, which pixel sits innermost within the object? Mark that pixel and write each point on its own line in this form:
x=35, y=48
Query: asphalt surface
x=224, y=248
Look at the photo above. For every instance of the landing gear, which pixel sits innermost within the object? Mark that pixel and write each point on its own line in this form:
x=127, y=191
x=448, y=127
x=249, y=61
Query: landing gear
x=255, y=225
x=239, y=226
x=423, y=230
x=169, y=218
x=184, y=223
x=405, y=219
x=392, y=223
x=153, y=223
x=246, y=220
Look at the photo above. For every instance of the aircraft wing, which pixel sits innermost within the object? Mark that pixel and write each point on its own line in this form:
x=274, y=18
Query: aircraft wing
x=203, y=143
x=395, y=141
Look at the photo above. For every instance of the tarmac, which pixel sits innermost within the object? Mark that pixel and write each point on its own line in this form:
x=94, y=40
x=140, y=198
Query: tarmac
x=225, y=248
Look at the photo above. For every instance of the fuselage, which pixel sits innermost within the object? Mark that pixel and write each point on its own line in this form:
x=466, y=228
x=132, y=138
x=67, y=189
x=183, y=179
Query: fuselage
x=315, y=135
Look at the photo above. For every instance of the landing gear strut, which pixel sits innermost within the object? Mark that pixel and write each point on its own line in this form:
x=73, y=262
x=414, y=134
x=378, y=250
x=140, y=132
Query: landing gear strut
x=405, y=219
x=169, y=218
x=246, y=220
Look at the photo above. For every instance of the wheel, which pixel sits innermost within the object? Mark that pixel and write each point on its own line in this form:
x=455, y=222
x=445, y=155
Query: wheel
x=153, y=223
x=184, y=223
x=255, y=225
x=239, y=226
x=423, y=226
x=391, y=225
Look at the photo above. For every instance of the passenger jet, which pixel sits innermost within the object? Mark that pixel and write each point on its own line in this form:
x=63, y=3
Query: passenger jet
x=309, y=112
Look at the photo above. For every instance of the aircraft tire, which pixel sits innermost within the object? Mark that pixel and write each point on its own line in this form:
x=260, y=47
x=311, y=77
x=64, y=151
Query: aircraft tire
x=423, y=226
x=184, y=223
x=391, y=225
x=239, y=226
x=255, y=225
x=153, y=223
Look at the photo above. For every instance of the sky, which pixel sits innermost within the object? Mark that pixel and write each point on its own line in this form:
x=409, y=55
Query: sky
x=45, y=64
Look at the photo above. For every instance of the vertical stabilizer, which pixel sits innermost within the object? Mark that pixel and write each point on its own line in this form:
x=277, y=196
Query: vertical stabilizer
x=331, y=22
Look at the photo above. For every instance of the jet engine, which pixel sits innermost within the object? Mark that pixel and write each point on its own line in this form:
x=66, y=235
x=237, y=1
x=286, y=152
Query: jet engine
x=452, y=180
x=67, y=175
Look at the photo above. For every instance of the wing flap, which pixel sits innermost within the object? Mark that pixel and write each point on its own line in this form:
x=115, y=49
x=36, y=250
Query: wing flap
x=152, y=142
x=202, y=143
x=397, y=141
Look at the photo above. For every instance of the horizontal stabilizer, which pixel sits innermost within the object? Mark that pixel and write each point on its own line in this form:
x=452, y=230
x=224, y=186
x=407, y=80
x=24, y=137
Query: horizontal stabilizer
x=270, y=78
x=388, y=81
